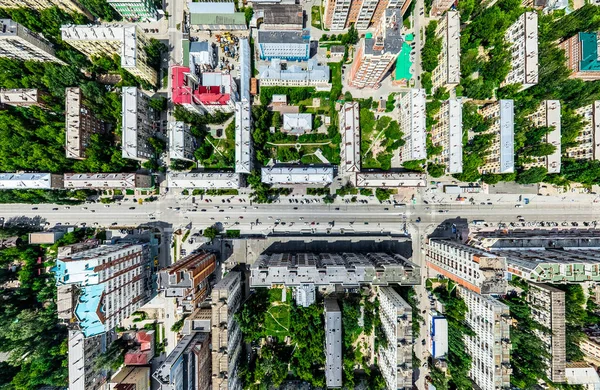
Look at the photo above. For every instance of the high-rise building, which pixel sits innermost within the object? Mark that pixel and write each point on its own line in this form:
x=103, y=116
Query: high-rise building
x=412, y=123
x=333, y=343
x=350, y=129
x=182, y=143
x=377, y=52
x=226, y=334
x=470, y=267
x=395, y=359
x=22, y=97
x=581, y=51
x=548, y=115
x=547, y=305
x=135, y=10
x=522, y=36
x=68, y=6
x=113, y=282
x=20, y=43
x=438, y=7
x=447, y=132
x=138, y=124
x=501, y=157
x=126, y=41
x=83, y=352
x=80, y=124
x=588, y=141
x=340, y=14
x=447, y=73
x=187, y=280
x=490, y=347
x=336, y=13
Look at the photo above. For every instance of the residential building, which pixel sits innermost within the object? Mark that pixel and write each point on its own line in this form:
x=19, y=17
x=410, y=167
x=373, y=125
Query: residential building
x=143, y=351
x=138, y=124
x=226, y=334
x=447, y=73
x=302, y=174
x=395, y=360
x=245, y=69
x=22, y=97
x=522, y=36
x=126, y=41
x=291, y=45
x=438, y=335
x=215, y=16
x=588, y=141
x=314, y=75
x=582, y=374
x=412, y=123
x=501, y=157
x=472, y=268
x=205, y=180
x=581, y=51
x=365, y=14
x=244, y=151
x=390, y=179
x=340, y=14
x=198, y=321
x=350, y=129
x=438, y=7
x=20, y=43
x=297, y=124
x=490, y=347
x=113, y=281
x=590, y=346
x=548, y=115
x=68, y=6
x=333, y=343
x=447, y=132
x=305, y=294
x=322, y=269
x=15, y=181
x=131, y=378
x=182, y=144
x=377, y=52
x=547, y=305
x=187, y=280
x=187, y=366
x=106, y=181
x=80, y=124
x=203, y=92
x=82, y=354
x=335, y=14
x=277, y=17
x=135, y=10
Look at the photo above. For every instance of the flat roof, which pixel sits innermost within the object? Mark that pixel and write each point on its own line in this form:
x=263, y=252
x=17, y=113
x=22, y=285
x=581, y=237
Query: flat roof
x=99, y=180
x=531, y=47
x=350, y=129
x=313, y=73
x=417, y=132
x=453, y=46
x=390, y=179
x=234, y=19
x=181, y=142
x=25, y=180
x=455, y=138
x=208, y=180
x=507, y=136
x=212, y=7
x=284, y=36
x=19, y=96
x=283, y=14
x=245, y=69
x=553, y=120
x=129, y=144
x=243, y=137
x=297, y=175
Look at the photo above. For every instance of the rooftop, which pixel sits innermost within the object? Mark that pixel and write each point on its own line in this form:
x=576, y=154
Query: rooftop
x=313, y=72
x=284, y=36
x=589, y=52
x=234, y=19
x=390, y=179
x=388, y=38
x=455, y=136
x=297, y=175
x=507, y=136
x=283, y=14
x=209, y=180
x=297, y=123
x=25, y=180
x=211, y=7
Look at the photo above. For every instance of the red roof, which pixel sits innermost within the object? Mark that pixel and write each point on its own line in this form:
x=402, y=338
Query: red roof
x=145, y=340
x=182, y=94
x=135, y=358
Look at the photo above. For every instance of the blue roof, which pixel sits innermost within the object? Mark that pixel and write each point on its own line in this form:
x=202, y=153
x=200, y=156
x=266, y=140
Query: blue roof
x=87, y=310
x=589, y=52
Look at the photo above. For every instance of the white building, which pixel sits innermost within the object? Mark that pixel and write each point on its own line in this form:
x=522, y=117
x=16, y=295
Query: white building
x=395, y=360
x=501, y=157
x=390, y=179
x=336, y=13
x=448, y=133
x=243, y=137
x=137, y=126
x=182, y=143
x=83, y=352
x=24, y=181
x=447, y=73
x=412, y=123
x=291, y=45
x=305, y=294
x=20, y=43
x=106, y=180
x=333, y=343
x=205, y=180
x=297, y=124
x=297, y=175
x=203, y=56
x=438, y=335
x=490, y=347
x=548, y=115
x=588, y=141
x=314, y=75
x=350, y=129
x=523, y=38
x=245, y=69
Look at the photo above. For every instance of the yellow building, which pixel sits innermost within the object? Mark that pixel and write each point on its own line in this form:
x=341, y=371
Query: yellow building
x=138, y=378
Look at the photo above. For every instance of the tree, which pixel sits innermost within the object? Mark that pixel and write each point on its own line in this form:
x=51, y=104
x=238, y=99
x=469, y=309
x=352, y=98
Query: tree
x=158, y=104
x=276, y=119
x=414, y=165
x=210, y=232
x=383, y=194
x=154, y=52
x=431, y=49
x=436, y=170
x=532, y=175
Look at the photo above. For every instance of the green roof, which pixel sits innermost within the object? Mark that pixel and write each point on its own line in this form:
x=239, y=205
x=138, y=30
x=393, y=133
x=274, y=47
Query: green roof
x=589, y=52
x=185, y=43
x=236, y=18
x=403, y=63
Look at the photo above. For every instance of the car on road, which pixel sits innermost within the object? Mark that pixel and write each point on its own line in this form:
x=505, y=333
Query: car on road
x=132, y=208
x=55, y=209
x=114, y=224
x=518, y=206
x=221, y=211
x=106, y=205
x=202, y=209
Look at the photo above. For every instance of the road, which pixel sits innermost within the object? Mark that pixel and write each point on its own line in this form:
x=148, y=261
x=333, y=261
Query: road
x=419, y=24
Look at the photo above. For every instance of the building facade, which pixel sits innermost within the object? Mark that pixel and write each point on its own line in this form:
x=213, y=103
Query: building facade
x=395, y=360
x=340, y=14
x=288, y=45
x=68, y=6
x=548, y=115
x=412, y=123
x=581, y=51
x=106, y=181
x=490, y=347
x=182, y=143
x=522, y=36
x=447, y=132
x=20, y=43
x=588, y=141
x=138, y=124
x=80, y=124
x=188, y=366
x=349, y=119
x=501, y=157
x=135, y=10
x=82, y=353
x=333, y=343
x=447, y=73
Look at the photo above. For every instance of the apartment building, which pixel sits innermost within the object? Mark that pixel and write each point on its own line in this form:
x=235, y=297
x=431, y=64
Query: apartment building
x=548, y=115
x=490, y=347
x=590, y=346
x=470, y=267
x=82, y=354
x=135, y=10
x=547, y=305
x=127, y=41
x=287, y=175
x=182, y=144
x=350, y=129
x=187, y=280
x=336, y=13
x=333, y=343
x=447, y=132
x=522, y=36
x=437, y=337
x=97, y=181
x=204, y=180
x=447, y=73
x=395, y=360
x=324, y=269
x=438, y=7
x=377, y=52
x=588, y=141
x=340, y=14
x=22, y=97
x=226, y=342
x=412, y=123
x=80, y=124
x=15, y=181
x=69, y=6
x=291, y=45
x=113, y=282
x=138, y=124
x=244, y=151
x=581, y=51
x=390, y=179
x=501, y=155
x=133, y=378
x=314, y=75
x=20, y=43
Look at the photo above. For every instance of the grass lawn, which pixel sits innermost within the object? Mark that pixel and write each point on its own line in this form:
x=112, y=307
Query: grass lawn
x=277, y=319
x=315, y=17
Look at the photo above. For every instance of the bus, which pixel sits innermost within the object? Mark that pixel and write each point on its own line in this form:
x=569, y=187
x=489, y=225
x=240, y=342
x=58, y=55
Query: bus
x=400, y=205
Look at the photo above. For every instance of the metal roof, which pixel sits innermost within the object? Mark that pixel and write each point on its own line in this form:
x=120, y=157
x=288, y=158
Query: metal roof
x=208, y=180
x=455, y=136
x=297, y=175
x=284, y=36
x=25, y=180
x=243, y=137
x=211, y=7
x=507, y=136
